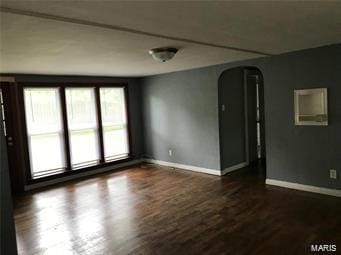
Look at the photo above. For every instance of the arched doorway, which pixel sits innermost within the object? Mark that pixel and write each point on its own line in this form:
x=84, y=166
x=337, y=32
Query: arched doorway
x=241, y=118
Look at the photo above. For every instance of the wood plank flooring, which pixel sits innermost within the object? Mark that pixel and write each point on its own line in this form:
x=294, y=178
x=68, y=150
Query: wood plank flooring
x=158, y=210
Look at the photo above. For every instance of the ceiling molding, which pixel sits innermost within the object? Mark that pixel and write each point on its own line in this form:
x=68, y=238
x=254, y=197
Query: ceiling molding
x=124, y=29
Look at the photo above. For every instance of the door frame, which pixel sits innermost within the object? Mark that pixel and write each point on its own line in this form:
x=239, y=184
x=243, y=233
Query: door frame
x=13, y=138
x=246, y=71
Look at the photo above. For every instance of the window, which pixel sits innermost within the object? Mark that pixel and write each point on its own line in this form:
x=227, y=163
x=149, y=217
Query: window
x=82, y=122
x=114, y=123
x=311, y=107
x=44, y=131
x=71, y=128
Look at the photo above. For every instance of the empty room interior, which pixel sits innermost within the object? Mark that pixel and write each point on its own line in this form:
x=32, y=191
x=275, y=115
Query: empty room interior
x=170, y=127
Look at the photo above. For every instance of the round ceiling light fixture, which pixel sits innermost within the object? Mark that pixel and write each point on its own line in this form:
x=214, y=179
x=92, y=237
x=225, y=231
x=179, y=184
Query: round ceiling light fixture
x=163, y=54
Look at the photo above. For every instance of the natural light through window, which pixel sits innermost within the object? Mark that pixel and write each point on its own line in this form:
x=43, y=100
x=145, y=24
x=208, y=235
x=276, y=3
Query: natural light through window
x=44, y=130
x=114, y=122
x=75, y=127
x=82, y=122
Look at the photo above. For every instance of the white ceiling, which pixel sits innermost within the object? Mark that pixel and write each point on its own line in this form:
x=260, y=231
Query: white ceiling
x=31, y=44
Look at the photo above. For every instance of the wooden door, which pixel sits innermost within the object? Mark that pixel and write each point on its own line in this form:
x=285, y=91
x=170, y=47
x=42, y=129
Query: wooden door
x=12, y=134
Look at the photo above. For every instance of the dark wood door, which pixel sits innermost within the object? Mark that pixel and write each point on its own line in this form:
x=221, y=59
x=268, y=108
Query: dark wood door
x=11, y=132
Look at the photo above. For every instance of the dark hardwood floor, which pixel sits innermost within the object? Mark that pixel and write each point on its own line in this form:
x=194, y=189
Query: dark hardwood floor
x=157, y=210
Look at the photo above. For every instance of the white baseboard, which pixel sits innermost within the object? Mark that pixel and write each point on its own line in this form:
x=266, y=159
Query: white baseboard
x=82, y=174
x=309, y=188
x=234, y=168
x=185, y=167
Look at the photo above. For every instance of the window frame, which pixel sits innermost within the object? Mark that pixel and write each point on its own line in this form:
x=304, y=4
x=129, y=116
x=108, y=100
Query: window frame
x=60, y=132
x=127, y=130
x=62, y=87
x=96, y=130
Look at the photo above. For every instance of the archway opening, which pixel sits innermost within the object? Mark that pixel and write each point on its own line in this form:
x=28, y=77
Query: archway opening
x=241, y=118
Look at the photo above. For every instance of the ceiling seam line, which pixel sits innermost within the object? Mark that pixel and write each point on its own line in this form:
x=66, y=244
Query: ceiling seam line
x=123, y=29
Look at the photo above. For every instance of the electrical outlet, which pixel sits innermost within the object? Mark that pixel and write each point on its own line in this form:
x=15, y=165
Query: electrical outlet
x=170, y=153
x=332, y=174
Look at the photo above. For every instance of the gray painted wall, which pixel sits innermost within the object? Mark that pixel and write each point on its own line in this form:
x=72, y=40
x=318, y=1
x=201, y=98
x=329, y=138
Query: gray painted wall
x=8, y=239
x=303, y=154
x=180, y=111
x=232, y=120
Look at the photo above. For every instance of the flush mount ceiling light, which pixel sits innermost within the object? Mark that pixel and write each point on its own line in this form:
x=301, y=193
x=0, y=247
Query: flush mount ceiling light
x=163, y=54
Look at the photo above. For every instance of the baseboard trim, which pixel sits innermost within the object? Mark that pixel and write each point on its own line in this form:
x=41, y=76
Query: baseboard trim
x=309, y=188
x=234, y=168
x=185, y=167
x=82, y=174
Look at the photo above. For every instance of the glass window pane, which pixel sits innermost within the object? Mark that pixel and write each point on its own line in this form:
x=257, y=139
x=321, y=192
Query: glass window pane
x=47, y=152
x=114, y=123
x=115, y=141
x=44, y=130
x=82, y=121
x=83, y=147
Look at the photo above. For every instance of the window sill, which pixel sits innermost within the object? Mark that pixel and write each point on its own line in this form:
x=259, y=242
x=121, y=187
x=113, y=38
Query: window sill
x=80, y=170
